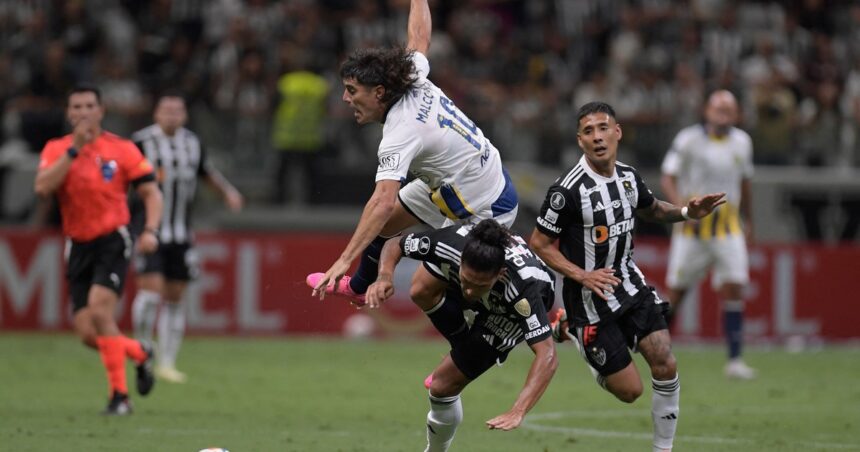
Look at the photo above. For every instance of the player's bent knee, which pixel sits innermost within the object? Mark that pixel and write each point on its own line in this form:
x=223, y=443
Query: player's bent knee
x=625, y=389
x=665, y=369
x=443, y=386
x=628, y=395
x=89, y=340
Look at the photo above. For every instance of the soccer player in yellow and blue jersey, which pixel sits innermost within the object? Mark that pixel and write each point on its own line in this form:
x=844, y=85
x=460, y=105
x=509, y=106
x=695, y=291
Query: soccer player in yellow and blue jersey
x=714, y=156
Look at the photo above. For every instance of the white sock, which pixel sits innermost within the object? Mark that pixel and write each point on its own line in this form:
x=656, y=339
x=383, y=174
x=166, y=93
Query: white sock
x=171, y=329
x=665, y=407
x=144, y=309
x=445, y=415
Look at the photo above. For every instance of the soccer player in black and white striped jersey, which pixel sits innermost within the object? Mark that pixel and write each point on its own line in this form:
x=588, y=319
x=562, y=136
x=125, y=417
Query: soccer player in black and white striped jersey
x=591, y=211
x=493, y=273
x=179, y=160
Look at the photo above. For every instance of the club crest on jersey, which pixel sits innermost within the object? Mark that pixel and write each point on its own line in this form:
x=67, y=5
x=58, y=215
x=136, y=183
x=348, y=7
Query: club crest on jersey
x=629, y=191
x=598, y=354
x=556, y=201
x=523, y=307
x=108, y=169
x=389, y=162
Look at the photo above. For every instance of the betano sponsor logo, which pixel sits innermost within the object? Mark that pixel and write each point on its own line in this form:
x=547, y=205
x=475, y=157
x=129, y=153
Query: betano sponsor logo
x=600, y=234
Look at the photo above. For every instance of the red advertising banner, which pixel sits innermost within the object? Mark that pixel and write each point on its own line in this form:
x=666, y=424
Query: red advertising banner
x=254, y=283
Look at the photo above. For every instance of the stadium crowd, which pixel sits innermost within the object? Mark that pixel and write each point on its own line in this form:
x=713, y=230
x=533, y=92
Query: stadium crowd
x=521, y=68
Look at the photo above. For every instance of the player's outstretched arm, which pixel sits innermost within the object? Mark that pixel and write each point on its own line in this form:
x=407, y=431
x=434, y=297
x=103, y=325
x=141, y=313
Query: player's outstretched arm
x=543, y=368
x=232, y=198
x=377, y=212
x=383, y=288
x=420, y=26
x=696, y=209
x=600, y=281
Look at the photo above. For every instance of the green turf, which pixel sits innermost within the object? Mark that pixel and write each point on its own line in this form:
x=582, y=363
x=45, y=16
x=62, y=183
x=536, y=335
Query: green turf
x=317, y=395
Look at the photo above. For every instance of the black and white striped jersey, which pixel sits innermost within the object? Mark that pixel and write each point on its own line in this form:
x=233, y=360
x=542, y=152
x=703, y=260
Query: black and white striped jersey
x=593, y=217
x=515, y=309
x=178, y=161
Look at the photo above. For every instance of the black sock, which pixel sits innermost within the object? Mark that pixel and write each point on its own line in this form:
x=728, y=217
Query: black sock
x=368, y=267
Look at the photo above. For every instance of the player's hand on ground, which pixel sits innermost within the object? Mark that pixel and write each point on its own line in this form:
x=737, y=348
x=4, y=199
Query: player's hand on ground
x=147, y=243
x=379, y=292
x=508, y=421
x=332, y=277
x=701, y=206
x=601, y=281
x=83, y=133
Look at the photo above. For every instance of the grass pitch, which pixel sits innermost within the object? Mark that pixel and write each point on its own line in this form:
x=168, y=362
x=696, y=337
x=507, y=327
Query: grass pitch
x=322, y=395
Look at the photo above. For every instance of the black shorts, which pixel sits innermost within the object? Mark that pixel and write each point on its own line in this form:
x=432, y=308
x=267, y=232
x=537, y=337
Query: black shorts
x=176, y=261
x=473, y=355
x=102, y=261
x=606, y=345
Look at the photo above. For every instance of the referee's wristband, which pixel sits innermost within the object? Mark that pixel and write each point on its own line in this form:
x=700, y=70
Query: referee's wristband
x=684, y=213
x=151, y=231
x=72, y=152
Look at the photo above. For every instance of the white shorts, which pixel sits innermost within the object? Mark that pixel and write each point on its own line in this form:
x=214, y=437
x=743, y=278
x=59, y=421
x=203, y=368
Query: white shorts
x=443, y=207
x=690, y=259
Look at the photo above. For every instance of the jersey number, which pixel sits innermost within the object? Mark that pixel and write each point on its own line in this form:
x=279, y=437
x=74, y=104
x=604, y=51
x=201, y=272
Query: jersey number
x=465, y=128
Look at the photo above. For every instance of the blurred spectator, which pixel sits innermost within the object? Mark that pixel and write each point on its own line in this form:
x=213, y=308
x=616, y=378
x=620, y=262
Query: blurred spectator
x=251, y=105
x=775, y=108
x=123, y=97
x=298, y=127
x=820, y=126
x=80, y=35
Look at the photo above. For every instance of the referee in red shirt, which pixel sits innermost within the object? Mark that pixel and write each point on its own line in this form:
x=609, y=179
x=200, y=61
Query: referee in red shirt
x=89, y=171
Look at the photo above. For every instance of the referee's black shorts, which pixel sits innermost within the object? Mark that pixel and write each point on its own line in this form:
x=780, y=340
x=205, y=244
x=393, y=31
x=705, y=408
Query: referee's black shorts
x=102, y=261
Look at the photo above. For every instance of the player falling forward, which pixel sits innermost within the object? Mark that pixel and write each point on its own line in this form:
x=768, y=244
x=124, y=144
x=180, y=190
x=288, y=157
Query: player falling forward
x=510, y=289
x=591, y=209
x=459, y=174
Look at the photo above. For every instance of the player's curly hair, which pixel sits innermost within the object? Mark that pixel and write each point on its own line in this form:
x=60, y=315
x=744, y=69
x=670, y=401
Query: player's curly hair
x=390, y=67
x=485, y=247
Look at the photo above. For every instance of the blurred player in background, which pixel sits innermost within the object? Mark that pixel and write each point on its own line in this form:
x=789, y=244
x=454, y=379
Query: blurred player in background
x=90, y=171
x=591, y=209
x=704, y=158
x=458, y=173
x=179, y=160
x=509, y=288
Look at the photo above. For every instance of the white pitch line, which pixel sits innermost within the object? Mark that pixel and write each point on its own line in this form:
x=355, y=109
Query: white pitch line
x=530, y=424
